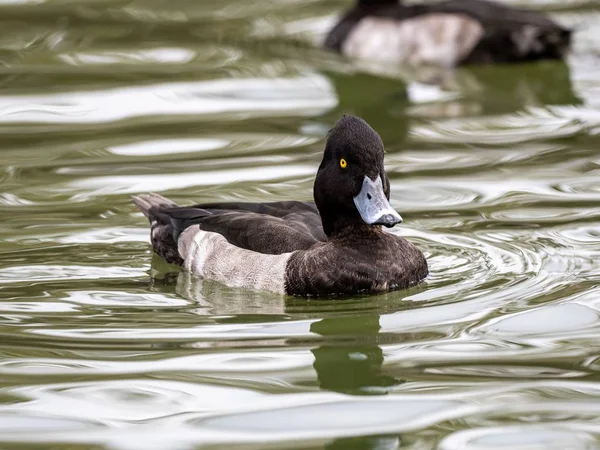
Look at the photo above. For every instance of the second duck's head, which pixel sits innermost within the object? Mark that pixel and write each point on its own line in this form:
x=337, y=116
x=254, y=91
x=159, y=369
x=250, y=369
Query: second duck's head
x=351, y=188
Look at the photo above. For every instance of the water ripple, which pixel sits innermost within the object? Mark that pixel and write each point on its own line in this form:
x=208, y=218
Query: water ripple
x=494, y=169
x=301, y=96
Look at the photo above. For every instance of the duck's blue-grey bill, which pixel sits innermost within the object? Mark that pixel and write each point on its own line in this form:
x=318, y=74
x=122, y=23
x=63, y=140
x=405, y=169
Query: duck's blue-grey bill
x=372, y=205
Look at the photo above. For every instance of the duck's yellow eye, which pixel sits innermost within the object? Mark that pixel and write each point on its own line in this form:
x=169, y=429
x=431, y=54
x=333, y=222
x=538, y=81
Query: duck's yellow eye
x=343, y=163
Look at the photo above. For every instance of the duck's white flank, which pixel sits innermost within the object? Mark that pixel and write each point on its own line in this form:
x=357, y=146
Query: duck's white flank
x=432, y=39
x=210, y=256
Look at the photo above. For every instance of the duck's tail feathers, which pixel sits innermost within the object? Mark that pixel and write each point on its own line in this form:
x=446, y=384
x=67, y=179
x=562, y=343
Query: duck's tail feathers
x=147, y=203
x=537, y=42
x=155, y=207
x=553, y=43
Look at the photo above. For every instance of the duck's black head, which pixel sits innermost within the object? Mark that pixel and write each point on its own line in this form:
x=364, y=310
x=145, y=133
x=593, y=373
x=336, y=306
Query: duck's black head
x=351, y=188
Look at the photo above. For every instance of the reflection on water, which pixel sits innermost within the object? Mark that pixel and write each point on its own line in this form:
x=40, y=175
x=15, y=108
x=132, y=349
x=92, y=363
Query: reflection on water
x=103, y=345
x=351, y=368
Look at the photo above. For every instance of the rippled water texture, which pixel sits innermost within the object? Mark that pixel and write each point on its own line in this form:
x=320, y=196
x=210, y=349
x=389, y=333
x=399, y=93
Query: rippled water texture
x=496, y=172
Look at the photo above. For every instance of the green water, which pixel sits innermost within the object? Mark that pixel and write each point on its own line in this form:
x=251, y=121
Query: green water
x=496, y=172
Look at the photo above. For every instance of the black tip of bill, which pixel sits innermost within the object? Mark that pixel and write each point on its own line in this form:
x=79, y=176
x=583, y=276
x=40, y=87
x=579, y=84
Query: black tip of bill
x=388, y=220
x=373, y=206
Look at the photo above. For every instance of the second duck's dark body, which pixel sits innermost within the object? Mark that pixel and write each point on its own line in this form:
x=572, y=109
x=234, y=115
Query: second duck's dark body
x=450, y=32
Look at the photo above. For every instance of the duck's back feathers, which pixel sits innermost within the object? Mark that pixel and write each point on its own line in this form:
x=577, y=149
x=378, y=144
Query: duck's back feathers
x=268, y=228
x=451, y=32
x=249, y=230
x=302, y=217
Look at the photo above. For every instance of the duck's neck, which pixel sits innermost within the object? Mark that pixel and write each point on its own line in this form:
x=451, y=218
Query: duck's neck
x=346, y=226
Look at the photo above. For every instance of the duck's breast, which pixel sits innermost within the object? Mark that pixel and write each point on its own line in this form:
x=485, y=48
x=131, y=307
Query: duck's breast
x=430, y=39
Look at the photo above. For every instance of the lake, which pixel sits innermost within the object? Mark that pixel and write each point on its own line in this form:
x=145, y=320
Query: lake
x=495, y=170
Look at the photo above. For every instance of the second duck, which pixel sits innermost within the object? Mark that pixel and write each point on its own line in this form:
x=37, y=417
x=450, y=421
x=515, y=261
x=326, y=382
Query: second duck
x=447, y=33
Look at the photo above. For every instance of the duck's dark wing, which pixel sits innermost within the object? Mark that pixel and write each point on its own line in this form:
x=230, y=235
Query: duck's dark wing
x=271, y=228
x=301, y=216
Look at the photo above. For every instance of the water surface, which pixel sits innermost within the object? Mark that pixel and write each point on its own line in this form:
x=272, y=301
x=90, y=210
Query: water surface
x=495, y=170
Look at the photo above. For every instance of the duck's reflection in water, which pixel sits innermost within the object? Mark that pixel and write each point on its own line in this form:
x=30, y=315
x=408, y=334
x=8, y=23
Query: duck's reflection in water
x=212, y=298
x=382, y=100
x=391, y=99
x=348, y=358
x=506, y=89
x=366, y=443
x=350, y=361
